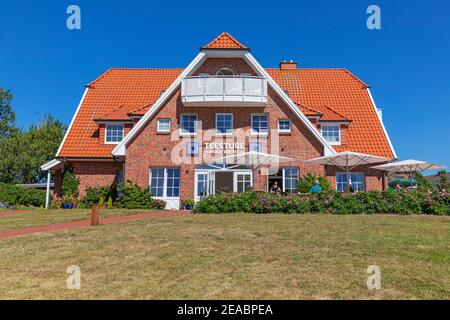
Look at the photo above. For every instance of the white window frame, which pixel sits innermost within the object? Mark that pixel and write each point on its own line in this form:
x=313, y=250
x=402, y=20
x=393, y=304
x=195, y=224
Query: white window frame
x=225, y=68
x=232, y=124
x=284, y=130
x=188, y=149
x=283, y=170
x=121, y=124
x=256, y=142
x=363, y=180
x=159, y=127
x=268, y=124
x=165, y=180
x=196, y=124
x=332, y=124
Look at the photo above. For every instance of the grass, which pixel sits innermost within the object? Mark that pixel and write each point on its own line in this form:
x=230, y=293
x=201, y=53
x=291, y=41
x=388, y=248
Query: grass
x=35, y=218
x=235, y=256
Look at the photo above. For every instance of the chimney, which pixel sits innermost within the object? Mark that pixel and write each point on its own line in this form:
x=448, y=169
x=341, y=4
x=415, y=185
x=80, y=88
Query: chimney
x=288, y=65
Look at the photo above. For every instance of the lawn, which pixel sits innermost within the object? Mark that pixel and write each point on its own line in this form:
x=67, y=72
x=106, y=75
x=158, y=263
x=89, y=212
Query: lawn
x=235, y=256
x=35, y=218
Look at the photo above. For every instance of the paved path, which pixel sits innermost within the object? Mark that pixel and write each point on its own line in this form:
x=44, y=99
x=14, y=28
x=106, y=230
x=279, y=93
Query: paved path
x=13, y=212
x=86, y=223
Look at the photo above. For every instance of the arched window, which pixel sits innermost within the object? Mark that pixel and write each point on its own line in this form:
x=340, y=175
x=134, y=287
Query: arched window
x=225, y=72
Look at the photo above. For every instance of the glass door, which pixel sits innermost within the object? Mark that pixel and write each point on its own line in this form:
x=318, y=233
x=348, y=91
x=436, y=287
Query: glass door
x=201, y=185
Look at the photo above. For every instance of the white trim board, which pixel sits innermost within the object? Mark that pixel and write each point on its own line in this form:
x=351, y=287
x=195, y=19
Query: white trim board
x=71, y=122
x=382, y=124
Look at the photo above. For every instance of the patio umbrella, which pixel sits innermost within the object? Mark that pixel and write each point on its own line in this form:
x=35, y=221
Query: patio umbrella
x=253, y=159
x=409, y=167
x=347, y=161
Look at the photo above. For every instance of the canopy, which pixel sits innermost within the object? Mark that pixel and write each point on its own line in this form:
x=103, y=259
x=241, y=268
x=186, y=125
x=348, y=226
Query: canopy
x=347, y=161
x=409, y=166
x=254, y=159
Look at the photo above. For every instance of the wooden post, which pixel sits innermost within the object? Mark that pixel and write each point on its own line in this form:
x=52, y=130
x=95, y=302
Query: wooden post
x=95, y=215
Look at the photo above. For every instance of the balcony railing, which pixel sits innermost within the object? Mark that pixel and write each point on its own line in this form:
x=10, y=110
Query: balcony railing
x=224, y=91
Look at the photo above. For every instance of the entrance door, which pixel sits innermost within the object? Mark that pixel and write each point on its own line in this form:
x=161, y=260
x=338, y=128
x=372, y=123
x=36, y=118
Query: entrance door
x=242, y=181
x=201, y=185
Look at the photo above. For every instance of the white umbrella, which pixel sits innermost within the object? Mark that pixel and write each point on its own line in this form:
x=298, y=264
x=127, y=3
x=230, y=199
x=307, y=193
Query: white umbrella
x=347, y=161
x=254, y=159
x=409, y=166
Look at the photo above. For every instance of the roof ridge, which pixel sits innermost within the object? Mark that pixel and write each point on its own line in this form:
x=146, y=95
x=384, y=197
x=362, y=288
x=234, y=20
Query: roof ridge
x=224, y=36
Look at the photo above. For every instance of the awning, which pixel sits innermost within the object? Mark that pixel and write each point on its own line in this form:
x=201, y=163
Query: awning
x=253, y=159
x=51, y=165
x=409, y=166
x=347, y=161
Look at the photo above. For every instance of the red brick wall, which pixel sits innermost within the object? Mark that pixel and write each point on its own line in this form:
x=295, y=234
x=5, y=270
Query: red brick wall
x=95, y=173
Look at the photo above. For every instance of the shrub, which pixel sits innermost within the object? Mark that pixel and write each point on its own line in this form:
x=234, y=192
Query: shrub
x=70, y=183
x=401, y=202
x=98, y=195
x=307, y=181
x=132, y=196
x=11, y=195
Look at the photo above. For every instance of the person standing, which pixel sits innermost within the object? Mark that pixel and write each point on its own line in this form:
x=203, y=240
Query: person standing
x=316, y=187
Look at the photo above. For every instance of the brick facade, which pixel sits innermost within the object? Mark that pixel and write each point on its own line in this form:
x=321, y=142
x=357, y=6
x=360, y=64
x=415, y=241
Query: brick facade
x=151, y=149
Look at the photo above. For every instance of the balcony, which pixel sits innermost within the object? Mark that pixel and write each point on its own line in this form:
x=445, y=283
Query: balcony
x=220, y=91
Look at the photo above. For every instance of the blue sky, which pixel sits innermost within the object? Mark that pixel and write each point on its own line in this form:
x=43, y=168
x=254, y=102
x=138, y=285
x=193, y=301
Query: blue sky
x=407, y=62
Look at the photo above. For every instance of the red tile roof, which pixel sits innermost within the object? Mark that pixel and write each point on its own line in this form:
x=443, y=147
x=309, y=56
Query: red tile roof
x=335, y=94
x=346, y=95
x=225, y=41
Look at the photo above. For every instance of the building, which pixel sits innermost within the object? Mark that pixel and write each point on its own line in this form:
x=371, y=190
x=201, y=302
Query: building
x=170, y=129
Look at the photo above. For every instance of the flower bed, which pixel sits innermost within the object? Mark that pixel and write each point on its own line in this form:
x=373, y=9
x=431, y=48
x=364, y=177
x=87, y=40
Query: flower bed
x=402, y=202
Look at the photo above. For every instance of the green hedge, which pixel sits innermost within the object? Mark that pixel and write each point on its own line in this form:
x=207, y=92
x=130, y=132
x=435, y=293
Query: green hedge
x=129, y=196
x=402, y=202
x=12, y=196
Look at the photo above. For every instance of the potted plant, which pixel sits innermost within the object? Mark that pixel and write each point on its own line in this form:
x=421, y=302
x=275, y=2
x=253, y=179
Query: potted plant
x=68, y=203
x=189, y=204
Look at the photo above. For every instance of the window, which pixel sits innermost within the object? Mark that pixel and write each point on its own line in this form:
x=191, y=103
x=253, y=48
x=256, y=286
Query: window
x=332, y=133
x=164, y=125
x=192, y=148
x=290, y=179
x=224, y=123
x=189, y=124
x=255, y=146
x=157, y=182
x=225, y=72
x=114, y=133
x=356, y=178
x=284, y=125
x=260, y=124
x=165, y=182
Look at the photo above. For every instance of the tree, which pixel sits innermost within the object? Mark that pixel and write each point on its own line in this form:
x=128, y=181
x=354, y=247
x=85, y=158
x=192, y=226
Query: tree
x=444, y=182
x=23, y=152
x=423, y=184
x=7, y=115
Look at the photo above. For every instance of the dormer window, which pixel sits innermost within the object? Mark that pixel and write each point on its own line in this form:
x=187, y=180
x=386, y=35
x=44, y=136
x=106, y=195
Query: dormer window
x=332, y=133
x=114, y=133
x=225, y=72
